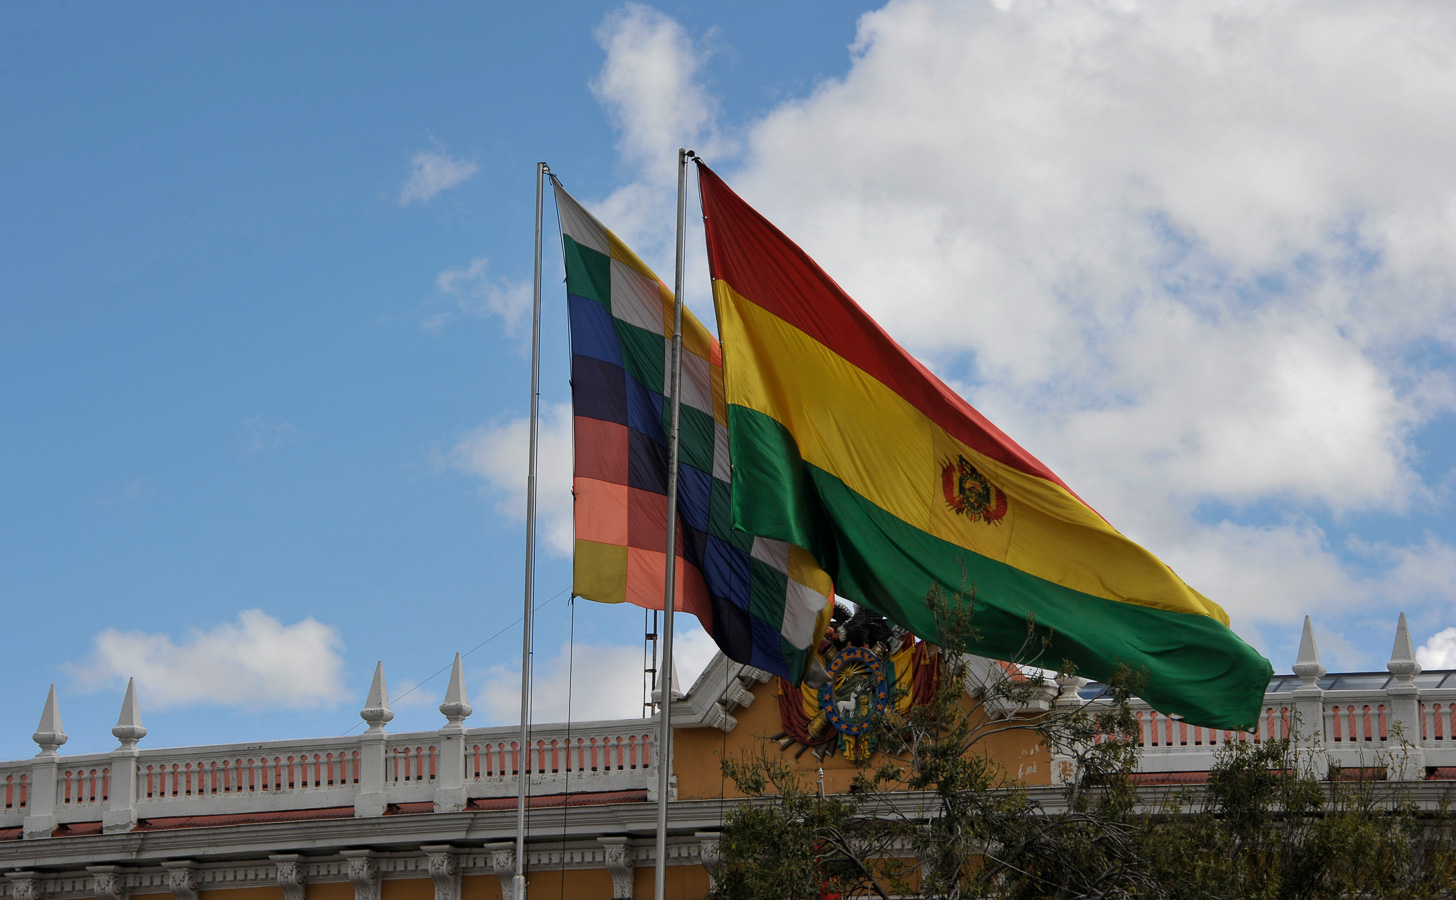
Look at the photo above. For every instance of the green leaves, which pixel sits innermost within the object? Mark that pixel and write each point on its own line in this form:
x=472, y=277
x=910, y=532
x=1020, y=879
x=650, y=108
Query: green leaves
x=934, y=814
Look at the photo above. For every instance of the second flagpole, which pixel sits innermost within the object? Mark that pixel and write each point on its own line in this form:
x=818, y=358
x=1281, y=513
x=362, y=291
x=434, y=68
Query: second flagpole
x=518, y=881
x=664, y=709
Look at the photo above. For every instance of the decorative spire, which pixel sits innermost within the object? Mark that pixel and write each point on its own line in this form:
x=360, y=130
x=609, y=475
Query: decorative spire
x=49, y=734
x=677, y=691
x=129, y=728
x=1308, y=667
x=456, y=707
x=1403, y=663
x=376, y=709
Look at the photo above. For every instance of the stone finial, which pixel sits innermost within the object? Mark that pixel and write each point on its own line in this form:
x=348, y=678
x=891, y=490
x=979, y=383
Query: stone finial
x=677, y=691
x=1068, y=689
x=1403, y=663
x=376, y=709
x=129, y=728
x=1308, y=666
x=49, y=734
x=456, y=707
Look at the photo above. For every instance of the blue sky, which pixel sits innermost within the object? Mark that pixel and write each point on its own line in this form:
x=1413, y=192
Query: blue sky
x=263, y=350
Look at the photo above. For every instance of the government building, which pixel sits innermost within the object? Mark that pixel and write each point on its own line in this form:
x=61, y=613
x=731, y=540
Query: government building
x=432, y=815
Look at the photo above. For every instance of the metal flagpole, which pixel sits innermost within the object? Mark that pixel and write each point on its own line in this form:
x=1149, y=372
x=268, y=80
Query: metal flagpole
x=518, y=883
x=664, y=739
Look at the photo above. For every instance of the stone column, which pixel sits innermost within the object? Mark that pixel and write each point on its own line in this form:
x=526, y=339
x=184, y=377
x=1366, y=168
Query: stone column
x=40, y=812
x=450, y=778
x=371, y=800
x=1309, y=705
x=120, y=812
x=1407, y=761
x=1064, y=765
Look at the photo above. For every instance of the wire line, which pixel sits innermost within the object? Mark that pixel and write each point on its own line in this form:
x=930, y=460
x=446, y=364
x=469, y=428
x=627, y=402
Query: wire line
x=519, y=619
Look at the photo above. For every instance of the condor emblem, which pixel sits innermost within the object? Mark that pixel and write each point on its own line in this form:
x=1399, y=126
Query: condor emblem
x=968, y=493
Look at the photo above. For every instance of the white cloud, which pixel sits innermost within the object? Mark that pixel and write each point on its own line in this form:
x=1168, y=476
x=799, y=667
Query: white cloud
x=648, y=86
x=498, y=455
x=1181, y=251
x=1167, y=232
x=1439, y=652
x=606, y=680
x=1274, y=573
x=476, y=294
x=433, y=171
x=254, y=663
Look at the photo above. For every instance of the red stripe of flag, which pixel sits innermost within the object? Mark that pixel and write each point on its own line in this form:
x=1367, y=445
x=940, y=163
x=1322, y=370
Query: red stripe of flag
x=763, y=265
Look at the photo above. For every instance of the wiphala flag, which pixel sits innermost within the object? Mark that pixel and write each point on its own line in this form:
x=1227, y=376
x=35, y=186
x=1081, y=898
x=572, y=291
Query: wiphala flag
x=764, y=602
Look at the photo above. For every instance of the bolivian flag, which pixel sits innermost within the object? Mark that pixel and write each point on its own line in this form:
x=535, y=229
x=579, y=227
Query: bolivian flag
x=845, y=445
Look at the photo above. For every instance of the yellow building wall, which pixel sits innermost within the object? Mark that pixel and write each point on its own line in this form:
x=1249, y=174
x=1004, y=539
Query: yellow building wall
x=698, y=752
x=480, y=887
x=332, y=890
x=405, y=889
x=251, y=893
x=683, y=883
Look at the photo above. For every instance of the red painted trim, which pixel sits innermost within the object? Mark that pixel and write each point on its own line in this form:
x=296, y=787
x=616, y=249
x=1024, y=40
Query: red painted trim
x=600, y=798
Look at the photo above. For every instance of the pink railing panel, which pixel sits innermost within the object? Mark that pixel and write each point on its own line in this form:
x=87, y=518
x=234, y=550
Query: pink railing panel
x=85, y=787
x=16, y=791
x=558, y=755
x=249, y=775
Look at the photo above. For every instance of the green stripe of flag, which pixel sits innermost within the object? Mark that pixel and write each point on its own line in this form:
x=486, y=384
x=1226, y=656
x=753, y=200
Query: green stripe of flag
x=877, y=556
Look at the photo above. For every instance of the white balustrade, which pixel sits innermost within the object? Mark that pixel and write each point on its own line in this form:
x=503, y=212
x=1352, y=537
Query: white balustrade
x=326, y=773
x=598, y=756
x=15, y=779
x=1353, y=719
x=1354, y=727
x=83, y=785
